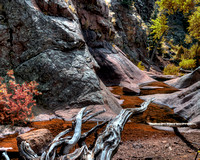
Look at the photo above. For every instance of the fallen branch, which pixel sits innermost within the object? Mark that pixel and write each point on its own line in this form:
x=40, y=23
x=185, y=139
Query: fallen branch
x=191, y=125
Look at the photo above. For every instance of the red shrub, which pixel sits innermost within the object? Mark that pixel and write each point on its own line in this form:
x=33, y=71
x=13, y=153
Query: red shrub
x=16, y=100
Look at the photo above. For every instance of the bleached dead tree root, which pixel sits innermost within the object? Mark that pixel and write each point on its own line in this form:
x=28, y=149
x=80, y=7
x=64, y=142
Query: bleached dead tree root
x=5, y=155
x=106, y=143
x=191, y=125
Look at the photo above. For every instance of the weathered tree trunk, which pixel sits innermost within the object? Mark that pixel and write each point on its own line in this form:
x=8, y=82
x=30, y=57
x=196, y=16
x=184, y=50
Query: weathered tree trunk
x=106, y=144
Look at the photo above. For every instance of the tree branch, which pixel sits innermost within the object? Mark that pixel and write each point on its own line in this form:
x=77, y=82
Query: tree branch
x=5, y=155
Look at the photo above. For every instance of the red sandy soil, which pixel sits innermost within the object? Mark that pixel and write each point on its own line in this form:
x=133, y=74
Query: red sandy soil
x=139, y=141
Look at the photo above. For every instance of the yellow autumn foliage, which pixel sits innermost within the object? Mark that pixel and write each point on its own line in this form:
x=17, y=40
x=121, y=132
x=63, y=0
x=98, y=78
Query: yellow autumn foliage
x=188, y=63
x=159, y=26
x=173, y=6
x=183, y=53
x=140, y=66
x=171, y=69
x=194, y=24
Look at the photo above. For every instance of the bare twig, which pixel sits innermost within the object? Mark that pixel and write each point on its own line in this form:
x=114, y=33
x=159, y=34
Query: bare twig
x=94, y=115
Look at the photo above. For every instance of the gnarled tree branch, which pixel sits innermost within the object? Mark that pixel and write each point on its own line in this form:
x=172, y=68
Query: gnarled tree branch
x=106, y=144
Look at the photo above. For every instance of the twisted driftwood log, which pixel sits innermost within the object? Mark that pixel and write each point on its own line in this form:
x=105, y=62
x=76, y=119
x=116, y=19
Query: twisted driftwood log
x=106, y=144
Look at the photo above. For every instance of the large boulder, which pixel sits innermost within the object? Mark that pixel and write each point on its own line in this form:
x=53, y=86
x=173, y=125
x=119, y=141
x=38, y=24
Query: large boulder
x=63, y=44
x=48, y=47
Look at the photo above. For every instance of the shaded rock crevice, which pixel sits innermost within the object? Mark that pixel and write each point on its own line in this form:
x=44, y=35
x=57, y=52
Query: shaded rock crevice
x=145, y=8
x=131, y=30
x=114, y=66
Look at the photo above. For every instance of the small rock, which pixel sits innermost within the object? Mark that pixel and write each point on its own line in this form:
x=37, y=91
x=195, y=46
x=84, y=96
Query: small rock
x=9, y=130
x=164, y=141
x=190, y=151
x=38, y=140
x=170, y=148
x=138, y=146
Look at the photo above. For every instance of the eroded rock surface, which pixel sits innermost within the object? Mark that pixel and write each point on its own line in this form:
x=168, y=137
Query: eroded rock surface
x=186, y=80
x=185, y=102
x=116, y=69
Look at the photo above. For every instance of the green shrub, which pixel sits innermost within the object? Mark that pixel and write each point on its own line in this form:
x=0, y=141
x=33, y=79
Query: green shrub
x=188, y=63
x=171, y=69
x=140, y=66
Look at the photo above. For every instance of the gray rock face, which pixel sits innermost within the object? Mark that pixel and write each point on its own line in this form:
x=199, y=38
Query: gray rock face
x=5, y=45
x=186, y=80
x=145, y=8
x=48, y=47
x=64, y=78
x=131, y=30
